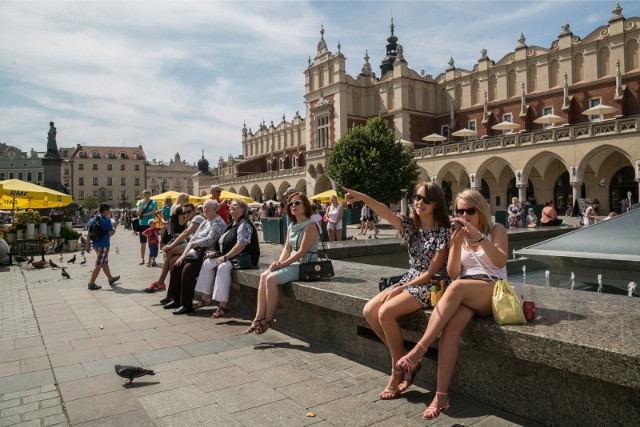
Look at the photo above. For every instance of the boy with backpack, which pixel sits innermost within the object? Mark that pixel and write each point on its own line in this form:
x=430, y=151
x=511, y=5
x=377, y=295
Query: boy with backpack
x=100, y=231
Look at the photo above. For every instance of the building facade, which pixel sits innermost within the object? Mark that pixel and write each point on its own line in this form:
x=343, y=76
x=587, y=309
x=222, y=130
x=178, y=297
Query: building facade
x=114, y=175
x=18, y=164
x=592, y=156
x=177, y=175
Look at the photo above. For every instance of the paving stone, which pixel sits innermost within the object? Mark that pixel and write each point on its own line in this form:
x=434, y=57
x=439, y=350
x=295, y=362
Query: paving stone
x=154, y=357
x=9, y=403
x=350, y=411
x=80, y=356
x=283, y=413
x=125, y=348
x=283, y=375
x=100, y=367
x=137, y=418
x=40, y=396
x=44, y=412
x=220, y=379
x=9, y=368
x=17, y=410
x=312, y=392
x=92, y=386
x=214, y=414
x=161, y=381
x=207, y=347
x=69, y=373
x=34, y=364
x=25, y=381
x=8, y=421
x=169, y=402
x=258, y=360
x=104, y=405
x=196, y=365
x=55, y=419
x=246, y=396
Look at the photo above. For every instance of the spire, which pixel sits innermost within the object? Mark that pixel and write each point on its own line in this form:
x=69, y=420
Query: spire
x=617, y=13
x=322, y=45
x=392, y=46
x=366, y=67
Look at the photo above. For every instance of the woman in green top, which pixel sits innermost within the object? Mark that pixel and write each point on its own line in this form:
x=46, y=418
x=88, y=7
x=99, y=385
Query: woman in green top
x=302, y=245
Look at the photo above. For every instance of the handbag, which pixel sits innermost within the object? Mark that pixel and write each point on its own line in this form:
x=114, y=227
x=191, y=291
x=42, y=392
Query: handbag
x=195, y=254
x=315, y=270
x=242, y=261
x=388, y=281
x=135, y=224
x=505, y=304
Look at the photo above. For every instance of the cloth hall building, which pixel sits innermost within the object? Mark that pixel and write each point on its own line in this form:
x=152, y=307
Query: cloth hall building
x=555, y=153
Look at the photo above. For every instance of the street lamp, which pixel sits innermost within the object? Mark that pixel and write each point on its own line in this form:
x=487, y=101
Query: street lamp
x=124, y=197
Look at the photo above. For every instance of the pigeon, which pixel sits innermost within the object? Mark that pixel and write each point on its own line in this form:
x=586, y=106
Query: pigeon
x=38, y=264
x=60, y=258
x=53, y=264
x=117, y=250
x=72, y=260
x=30, y=260
x=83, y=240
x=59, y=249
x=84, y=260
x=131, y=372
x=82, y=252
x=65, y=274
x=20, y=258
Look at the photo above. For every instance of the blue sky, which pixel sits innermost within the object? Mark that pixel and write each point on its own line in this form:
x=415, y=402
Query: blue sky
x=183, y=76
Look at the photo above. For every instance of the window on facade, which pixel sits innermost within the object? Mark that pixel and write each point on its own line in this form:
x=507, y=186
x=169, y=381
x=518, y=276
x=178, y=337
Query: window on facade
x=95, y=181
x=122, y=167
x=2, y=178
x=578, y=67
x=11, y=176
x=592, y=103
x=95, y=167
x=109, y=181
x=81, y=154
x=554, y=73
x=545, y=111
x=269, y=166
x=81, y=194
x=280, y=164
x=511, y=84
x=66, y=171
x=137, y=194
x=475, y=92
x=39, y=176
x=66, y=183
x=322, y=131
x=493, y=87
x=123, y=181
x=80, y=181
x=123, y=155
x=444, y=131
x=471, y=125
x=136, y=167
x=110, y=155
x=80, y=167
x=320, y=77
x=507, y=118
x=294, y=162
x=532, y=78
x=29, y=176
x=95, y=154
x=109, y=167
x=95, y=193
x=137, y=181
x=20, y=175
x=632, y=62
x=109, y=195
x=458, y=96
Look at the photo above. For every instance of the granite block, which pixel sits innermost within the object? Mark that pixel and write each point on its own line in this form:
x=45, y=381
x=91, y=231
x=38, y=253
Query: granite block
x=283, y=413
x=213, y=414
x=245, y=396
x=164, y=403
x=101, y=406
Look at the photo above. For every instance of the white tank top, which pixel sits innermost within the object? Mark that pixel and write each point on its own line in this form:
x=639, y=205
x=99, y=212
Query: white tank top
x=471, y=266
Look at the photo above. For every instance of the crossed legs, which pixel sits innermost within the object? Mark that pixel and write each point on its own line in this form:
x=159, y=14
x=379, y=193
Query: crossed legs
x=268, y=296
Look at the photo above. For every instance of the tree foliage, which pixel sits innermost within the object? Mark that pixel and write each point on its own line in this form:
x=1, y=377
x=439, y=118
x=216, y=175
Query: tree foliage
x=368, y=159
x=90, y=202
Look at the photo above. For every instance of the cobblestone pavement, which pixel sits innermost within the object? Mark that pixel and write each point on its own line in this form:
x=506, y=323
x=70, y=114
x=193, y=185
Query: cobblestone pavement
x=59, y=343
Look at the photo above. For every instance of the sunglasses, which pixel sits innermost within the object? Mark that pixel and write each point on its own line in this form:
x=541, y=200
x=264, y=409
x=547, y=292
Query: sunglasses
x=296, y=203
x=468, y=211
x=188, y=212
x=423, y=199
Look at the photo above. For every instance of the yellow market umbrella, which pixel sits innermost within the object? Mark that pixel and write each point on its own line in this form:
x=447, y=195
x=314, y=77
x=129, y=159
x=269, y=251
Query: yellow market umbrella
x=17, y=194
x=174, y=195
x=227, y=195
x=324, y=197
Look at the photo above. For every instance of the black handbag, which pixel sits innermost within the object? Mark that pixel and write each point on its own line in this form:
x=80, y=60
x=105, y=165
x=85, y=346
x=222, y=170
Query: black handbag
x=195, y=254
x=135, y=224
x=242, y=261
x=385, y=282
x=316, y=270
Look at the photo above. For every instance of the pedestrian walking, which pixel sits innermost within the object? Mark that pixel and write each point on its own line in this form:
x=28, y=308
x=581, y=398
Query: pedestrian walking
x=100, y=232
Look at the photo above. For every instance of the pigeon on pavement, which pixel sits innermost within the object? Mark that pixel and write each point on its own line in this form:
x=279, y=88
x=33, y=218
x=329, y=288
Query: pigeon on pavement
x=131, y=372
x=53, y=264
x=65, y=274
x=84, y=261
x=72, y=260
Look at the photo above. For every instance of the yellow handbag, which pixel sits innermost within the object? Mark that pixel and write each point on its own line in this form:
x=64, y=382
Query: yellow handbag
x=505, y=304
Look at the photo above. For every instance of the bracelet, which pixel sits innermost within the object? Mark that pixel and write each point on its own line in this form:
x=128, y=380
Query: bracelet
x=224, y=257
x=481, y=239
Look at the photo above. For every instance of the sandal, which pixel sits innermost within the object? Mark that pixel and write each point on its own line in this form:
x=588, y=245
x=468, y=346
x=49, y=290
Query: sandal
x=433, y=411
x=389, y=393
x=201, y=304
x=410, y=381
x=220, y=312
x=264, y=326
x=407, y=365
x=254, y=326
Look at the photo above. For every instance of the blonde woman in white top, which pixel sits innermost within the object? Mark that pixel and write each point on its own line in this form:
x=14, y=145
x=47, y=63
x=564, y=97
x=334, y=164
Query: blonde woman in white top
x=469, y=295
x=334, y=220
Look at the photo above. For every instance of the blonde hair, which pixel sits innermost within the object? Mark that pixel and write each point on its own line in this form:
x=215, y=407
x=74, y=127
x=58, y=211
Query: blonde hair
x=180, y=200
x=476, y=200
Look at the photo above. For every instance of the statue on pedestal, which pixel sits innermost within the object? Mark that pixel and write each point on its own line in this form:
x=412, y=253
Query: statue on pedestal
x=51, y=138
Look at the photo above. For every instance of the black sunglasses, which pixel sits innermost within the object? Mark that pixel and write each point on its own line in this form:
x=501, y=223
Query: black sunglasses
x=468, y=211
x=296, y=203
x=188, y=212
x=423, y=199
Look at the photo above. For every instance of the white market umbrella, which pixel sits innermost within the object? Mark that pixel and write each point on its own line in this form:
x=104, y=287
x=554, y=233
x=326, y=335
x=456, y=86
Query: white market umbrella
x=506, y=125
x=464, y=132
x=548, y=119
x=599, y=109
x=434, y=137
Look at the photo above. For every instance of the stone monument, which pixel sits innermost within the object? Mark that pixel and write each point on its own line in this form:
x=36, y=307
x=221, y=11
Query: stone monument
x=52, y=162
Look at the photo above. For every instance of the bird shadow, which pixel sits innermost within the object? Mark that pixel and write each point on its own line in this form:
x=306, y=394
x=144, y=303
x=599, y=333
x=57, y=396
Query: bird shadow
x=140, y=384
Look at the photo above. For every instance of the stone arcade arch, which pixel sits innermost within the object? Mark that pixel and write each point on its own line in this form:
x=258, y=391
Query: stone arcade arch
x=243, y=191
x=597, y=169
x=256, y=193
x=323, y=183
x=270, y=192
x=496, y=174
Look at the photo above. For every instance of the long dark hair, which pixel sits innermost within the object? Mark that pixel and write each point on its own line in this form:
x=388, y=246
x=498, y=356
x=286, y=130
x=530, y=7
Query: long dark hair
x=436, y=195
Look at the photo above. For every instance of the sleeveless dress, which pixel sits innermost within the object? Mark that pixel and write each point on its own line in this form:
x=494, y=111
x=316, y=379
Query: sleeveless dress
x=296, y=234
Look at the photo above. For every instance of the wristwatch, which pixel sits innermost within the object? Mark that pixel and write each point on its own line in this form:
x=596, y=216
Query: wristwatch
x=482, y=237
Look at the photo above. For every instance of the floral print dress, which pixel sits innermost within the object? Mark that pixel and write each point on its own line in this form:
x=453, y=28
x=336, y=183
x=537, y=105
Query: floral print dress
x=422, y=249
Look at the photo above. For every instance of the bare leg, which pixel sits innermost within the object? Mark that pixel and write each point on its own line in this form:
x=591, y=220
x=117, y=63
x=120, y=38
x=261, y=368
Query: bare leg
x=94, y=274
x=332, y=235
x=143, y=247
x=169, y=260
x=273, y=296
x=107, y=270
x=474, y=294
x=338, y=235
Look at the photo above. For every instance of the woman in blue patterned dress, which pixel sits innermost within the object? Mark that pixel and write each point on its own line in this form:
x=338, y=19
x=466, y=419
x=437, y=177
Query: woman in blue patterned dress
x=426, y=234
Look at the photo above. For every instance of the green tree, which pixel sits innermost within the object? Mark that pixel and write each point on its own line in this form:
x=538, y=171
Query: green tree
x=90, y=202
x=368, y=159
